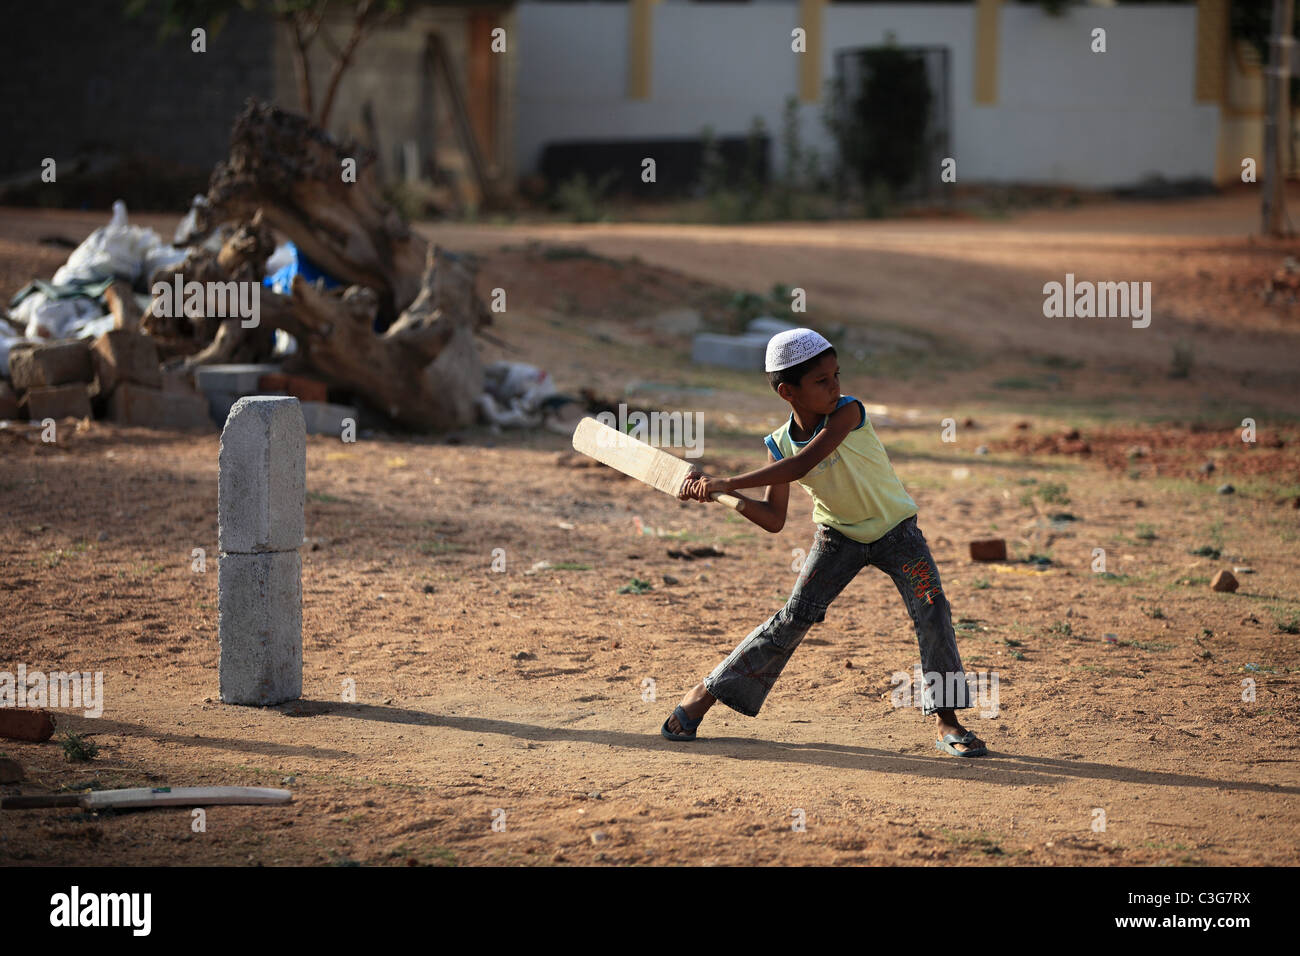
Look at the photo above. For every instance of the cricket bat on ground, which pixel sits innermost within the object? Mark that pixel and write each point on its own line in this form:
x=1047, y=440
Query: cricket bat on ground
x=146, y=797
x=638, y=460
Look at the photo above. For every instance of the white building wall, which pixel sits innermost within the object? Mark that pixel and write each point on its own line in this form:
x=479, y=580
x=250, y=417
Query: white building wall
x=1064, y=114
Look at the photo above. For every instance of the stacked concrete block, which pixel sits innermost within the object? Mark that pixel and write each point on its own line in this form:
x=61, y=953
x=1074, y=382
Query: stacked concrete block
x=262, y=483
x=154, y=408
x=325, y=419
x=51, y=379
x=223, y=385
x=59, y=401
x=119, y=357
x=45, y=366
x=130, y=383
x=8, y=401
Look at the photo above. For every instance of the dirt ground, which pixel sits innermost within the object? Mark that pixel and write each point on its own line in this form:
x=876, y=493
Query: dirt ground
x=524, y=696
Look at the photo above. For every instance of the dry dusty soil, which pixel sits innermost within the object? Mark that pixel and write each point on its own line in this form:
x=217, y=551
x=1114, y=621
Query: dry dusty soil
x=533, y=696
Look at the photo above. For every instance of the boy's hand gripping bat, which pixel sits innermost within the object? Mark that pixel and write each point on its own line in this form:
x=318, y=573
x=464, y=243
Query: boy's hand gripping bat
x=639, y=460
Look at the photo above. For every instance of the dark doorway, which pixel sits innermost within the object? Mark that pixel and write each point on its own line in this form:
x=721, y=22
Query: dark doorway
x=893, y=109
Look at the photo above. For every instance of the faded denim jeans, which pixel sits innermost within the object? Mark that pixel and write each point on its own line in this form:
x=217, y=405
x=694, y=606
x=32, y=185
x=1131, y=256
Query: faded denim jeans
x=742, y=681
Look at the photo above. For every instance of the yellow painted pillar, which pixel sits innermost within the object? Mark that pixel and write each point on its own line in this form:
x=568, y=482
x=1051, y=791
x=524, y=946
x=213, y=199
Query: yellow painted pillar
x=810, y=61
x=1211, y=50
x=988, y=20
x=640, y=31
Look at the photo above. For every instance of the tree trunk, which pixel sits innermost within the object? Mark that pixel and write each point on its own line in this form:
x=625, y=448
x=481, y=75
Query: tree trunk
x=423, y=372
x=293, y=171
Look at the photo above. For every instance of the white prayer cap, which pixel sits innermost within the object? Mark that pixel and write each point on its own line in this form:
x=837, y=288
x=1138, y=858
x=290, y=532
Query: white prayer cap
x=792, y=347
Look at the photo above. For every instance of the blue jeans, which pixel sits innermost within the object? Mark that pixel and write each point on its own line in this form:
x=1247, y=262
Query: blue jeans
x=742, y=681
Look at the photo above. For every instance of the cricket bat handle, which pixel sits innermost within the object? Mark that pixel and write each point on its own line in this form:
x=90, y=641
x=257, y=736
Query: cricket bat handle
x=731, y=501
x=32, y=803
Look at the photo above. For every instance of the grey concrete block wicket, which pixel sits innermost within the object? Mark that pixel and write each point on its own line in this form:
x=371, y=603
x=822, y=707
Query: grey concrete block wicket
x=261, y=494
x=259, y=597
x=262, y=476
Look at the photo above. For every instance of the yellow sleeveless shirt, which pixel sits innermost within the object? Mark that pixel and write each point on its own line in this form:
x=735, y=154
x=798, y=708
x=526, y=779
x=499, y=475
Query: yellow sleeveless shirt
x=854, y=489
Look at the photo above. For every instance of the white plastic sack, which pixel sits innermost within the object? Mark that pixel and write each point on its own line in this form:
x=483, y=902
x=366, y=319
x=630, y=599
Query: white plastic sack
x=285, y=344
x=282, y=257
x=188, y=229
x=94, y=328
x=513, y=393
x=46, y=318
x=118, y=249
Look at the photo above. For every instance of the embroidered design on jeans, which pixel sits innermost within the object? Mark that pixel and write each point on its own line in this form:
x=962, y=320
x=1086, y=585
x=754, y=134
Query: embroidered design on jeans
x=922, y=579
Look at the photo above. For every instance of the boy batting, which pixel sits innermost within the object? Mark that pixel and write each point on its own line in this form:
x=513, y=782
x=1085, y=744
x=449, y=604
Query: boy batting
x=863, y=516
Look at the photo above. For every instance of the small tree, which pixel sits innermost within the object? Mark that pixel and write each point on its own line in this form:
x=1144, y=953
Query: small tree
x=305, y=22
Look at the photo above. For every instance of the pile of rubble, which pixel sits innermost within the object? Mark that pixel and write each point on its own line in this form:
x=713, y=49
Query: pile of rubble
x=345, y=299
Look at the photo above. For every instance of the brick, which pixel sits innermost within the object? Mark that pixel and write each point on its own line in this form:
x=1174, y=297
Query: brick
x=262, y=476
x=153, y=408
x=303, y=389
x=989, y=549
x=61, y=401
x=121, y=356
x=26, y=723
x=44, y=366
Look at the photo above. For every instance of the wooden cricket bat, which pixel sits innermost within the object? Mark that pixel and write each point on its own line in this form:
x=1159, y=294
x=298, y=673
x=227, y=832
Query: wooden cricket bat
x=155, y=797
x=638, y=460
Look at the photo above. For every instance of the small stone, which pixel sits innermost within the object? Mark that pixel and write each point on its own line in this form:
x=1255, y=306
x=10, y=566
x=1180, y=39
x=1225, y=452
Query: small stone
x=982, y=450
x=559, y=857
x=848, y=665
x=1242, y=570
x=289, y=781
x=1224, y=581
x=1207, y=467
x=594, y=795
x=669, y=579
x=429, y=589
x=102, y=536
x=1226, y=489
x=523, y=656
x=599, y=836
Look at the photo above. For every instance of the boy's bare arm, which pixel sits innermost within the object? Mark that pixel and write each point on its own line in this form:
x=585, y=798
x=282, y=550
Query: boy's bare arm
x=795, y=467
x=770, y=511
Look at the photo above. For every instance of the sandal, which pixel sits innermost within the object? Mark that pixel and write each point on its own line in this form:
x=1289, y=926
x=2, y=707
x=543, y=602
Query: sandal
x=947, y=745
x=686, y=724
